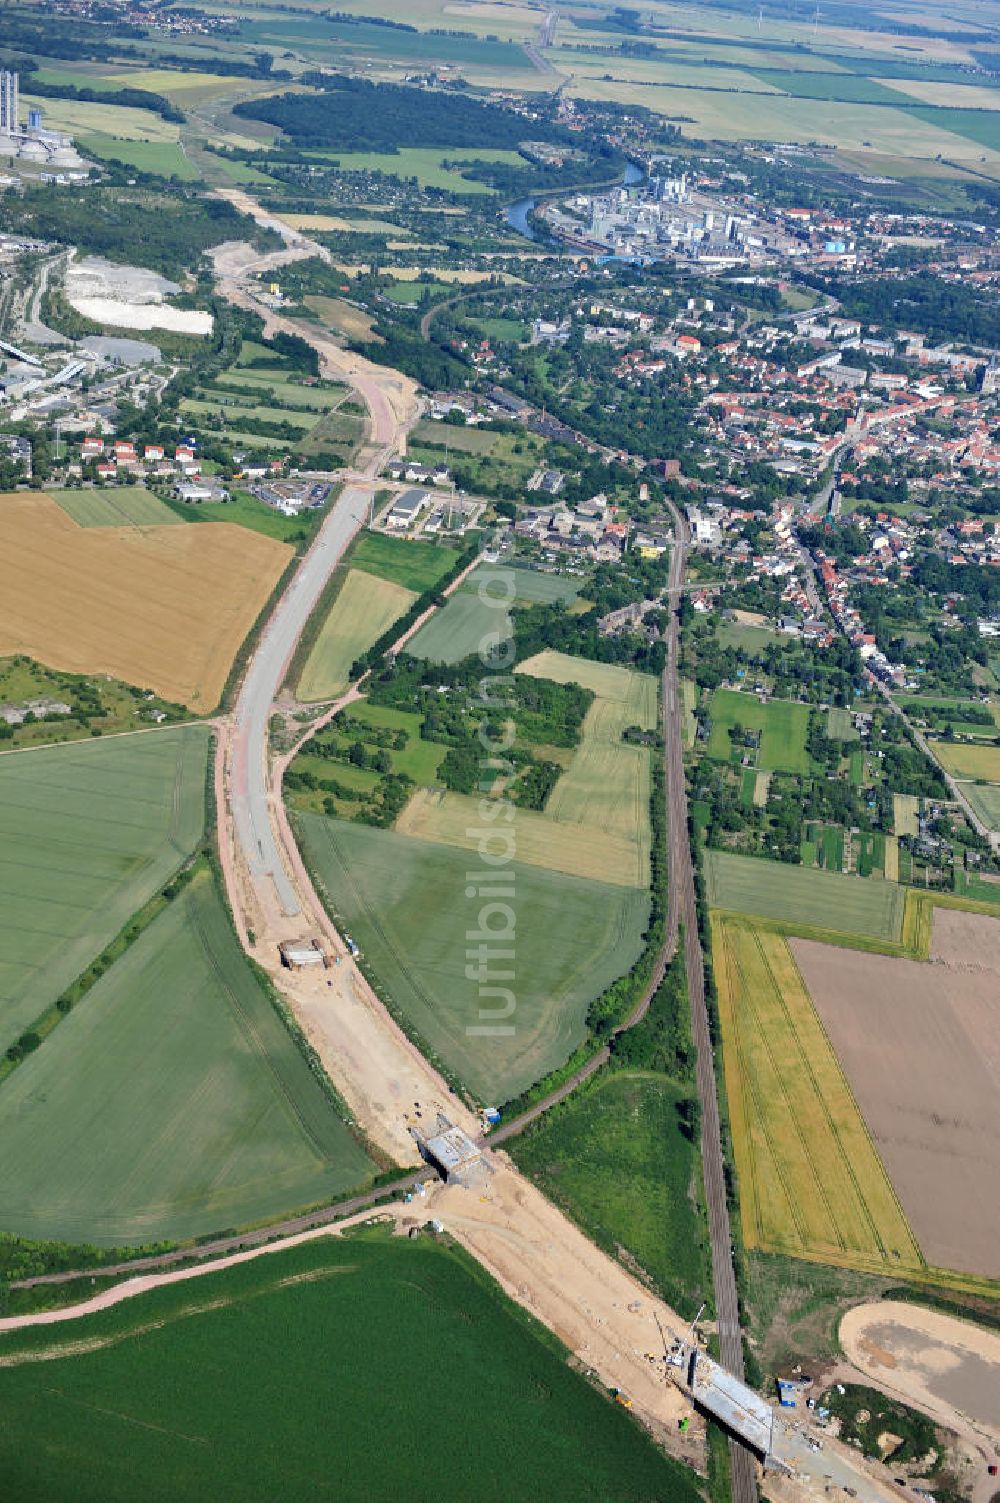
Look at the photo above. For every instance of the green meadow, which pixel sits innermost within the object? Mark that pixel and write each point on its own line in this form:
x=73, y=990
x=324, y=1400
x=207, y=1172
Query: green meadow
x=248, y=1384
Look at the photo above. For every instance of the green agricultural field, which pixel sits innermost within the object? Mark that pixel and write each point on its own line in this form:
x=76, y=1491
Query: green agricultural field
x=171, y=1101
x=460, y=439
x=798, y=899
x=979, y=126
x=88, y=832
x=405, y=291
x=985, y=799
x=832, y=848
x=118, y=506
x=424, y=163
x=364, y=608
x=479, y=610
x=404, y=901
x=233, y=411
x=271, y=387
x=847, y=88
x=414, y=564
x=246, y=1384
x=164, y=158
x=782, y=723
x=615, y=1159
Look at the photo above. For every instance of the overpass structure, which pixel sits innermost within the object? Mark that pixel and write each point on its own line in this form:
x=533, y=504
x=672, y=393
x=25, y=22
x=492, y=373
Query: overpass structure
x=734, y=1404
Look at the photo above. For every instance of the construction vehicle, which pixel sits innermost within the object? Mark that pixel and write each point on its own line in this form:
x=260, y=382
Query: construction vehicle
x=622, y=1399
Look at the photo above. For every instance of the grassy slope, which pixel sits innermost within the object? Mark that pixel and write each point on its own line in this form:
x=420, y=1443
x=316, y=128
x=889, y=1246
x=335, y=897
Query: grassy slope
x=171, y=1102
x=797, y=896
x=404, y=901
x=247, y=1385
x=362, y=611
x=88, y=832
x=616, y=1160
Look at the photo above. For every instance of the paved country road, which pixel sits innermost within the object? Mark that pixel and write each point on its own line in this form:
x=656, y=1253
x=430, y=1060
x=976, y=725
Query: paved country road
x=251, y=813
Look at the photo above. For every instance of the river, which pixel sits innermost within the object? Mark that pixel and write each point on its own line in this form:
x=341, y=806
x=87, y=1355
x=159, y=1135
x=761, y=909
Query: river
x=518, y=215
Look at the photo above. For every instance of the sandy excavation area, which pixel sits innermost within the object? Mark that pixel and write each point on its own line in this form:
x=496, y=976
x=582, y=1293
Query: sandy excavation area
x=937, y=1362
x=164, y=608
x=129, y=297
x=920, y=1045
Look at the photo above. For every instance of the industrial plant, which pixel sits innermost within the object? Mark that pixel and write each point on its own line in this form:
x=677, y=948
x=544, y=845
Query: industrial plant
x=31, y=144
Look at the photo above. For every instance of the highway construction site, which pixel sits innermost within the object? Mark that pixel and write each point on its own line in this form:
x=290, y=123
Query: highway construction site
x=625, y=1338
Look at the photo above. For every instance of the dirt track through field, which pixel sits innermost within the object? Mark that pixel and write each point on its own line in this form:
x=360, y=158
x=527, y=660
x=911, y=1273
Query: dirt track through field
x=164, y=608
x=918, y=1042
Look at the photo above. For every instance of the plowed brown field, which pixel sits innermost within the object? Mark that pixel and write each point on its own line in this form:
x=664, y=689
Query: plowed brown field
x=165, y=608
x=918, y=1044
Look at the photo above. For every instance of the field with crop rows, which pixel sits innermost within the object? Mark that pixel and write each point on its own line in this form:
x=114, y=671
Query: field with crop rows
x=580, y=850
x=88, y=832
x=404, y=901
x=115, y=506
x=798, y=899
x=164, y=608
x=171, y=1101
x=362, y=611
x=964, y=761
x=811, y=1182
x=246, y=1384
x=985, y=799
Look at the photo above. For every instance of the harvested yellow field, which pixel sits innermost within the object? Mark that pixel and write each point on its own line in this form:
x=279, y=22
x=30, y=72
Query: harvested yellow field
x=82, y=116
x=757, y=117
x=190, y=88
x=358, y=617
x=905, y=808
x=606, y=787
x=811, y=1182
x=461, y=278
x=343, y=318
x=165, y=608
x=345, y=226
x=634, y=691
x=967, y=761
x=578, y=850
x=951, y=96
